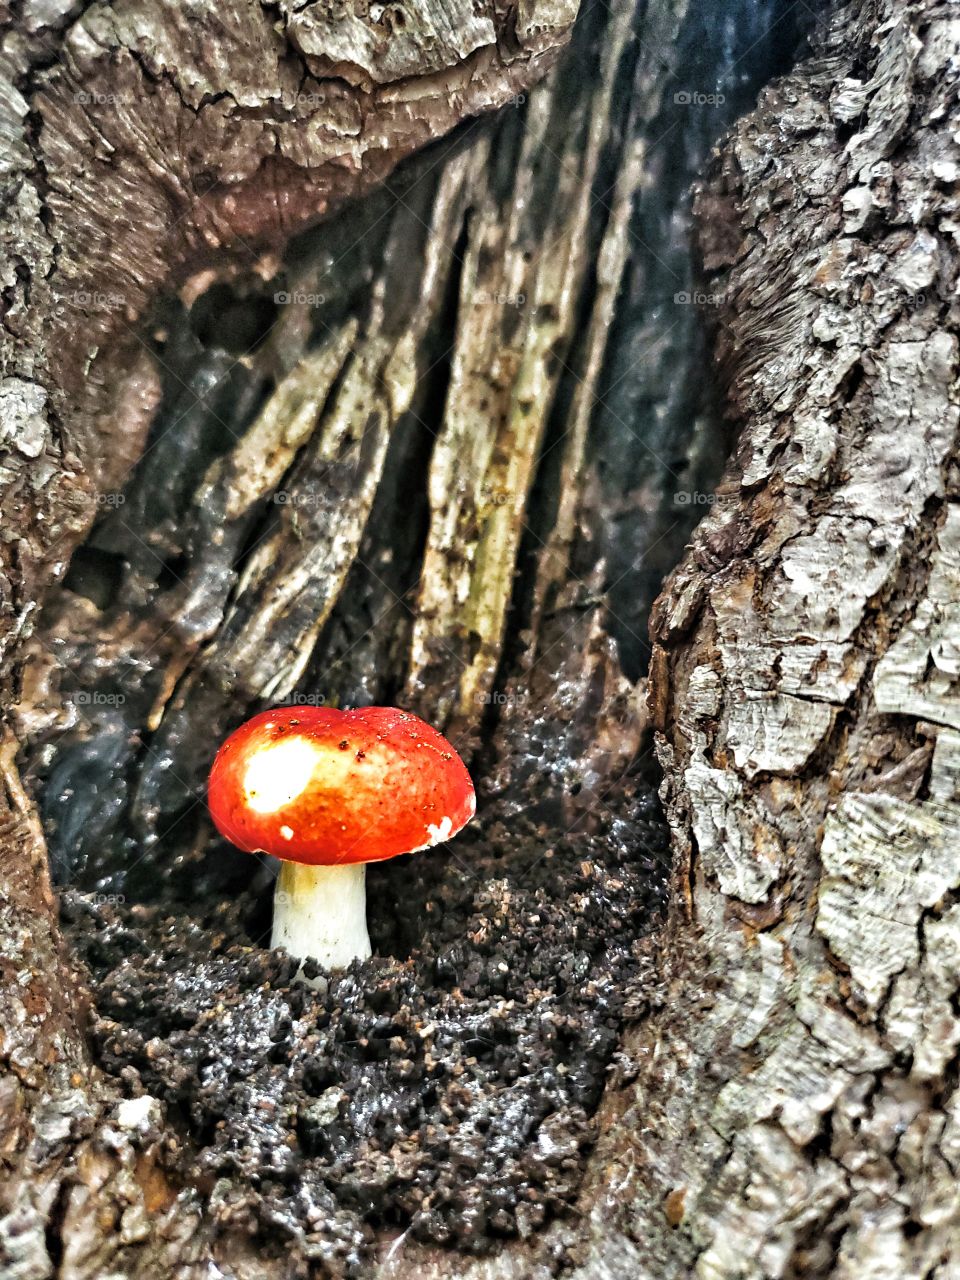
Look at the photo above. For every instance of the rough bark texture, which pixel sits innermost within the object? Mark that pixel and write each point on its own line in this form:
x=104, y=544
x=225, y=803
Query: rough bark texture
x=786, y=1105
x=794, y=1107
x=802, y=1114
x=143, y=142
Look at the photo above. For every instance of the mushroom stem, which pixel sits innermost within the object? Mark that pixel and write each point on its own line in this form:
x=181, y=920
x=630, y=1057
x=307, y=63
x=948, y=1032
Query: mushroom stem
x=321, y=912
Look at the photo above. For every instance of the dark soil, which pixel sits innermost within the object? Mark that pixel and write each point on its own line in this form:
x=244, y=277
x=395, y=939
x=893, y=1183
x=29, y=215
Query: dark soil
x=446, y=1085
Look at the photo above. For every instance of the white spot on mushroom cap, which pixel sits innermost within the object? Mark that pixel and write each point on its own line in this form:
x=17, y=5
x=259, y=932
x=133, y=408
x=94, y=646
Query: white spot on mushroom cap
x=440, y=832
x=286, y=832
x=278, y=773
x=444, y=829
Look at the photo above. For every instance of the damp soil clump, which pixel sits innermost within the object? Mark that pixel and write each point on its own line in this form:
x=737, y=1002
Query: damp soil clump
x=446, y=1086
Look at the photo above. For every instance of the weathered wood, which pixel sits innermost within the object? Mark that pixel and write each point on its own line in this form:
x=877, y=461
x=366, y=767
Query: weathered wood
x=794, y=1111
x=785, y=1105
x=144, y=142
x=147, y=140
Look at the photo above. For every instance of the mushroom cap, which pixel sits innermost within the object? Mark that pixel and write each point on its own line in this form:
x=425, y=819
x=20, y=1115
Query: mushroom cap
x=324, y=787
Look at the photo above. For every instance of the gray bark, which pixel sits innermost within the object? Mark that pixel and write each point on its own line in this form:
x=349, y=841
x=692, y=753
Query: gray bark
x=798, y=1099
x=785, y=1103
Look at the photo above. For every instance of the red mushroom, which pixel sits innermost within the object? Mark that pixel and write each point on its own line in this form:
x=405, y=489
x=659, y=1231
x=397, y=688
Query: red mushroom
x=329, y=791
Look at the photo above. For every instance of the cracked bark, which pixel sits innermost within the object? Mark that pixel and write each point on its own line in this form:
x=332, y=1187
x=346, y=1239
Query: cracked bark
x=806, y=674
x=144, y=144
x=787, y=1105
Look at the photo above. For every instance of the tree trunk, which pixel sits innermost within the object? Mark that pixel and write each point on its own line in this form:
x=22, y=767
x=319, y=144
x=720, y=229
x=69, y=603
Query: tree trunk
x=441, y=454
x=804, y=688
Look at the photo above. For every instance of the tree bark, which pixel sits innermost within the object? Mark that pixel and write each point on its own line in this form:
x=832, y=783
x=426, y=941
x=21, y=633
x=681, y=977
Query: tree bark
x=795, y=1109
x=793, y=1103
x=145, y=144
x=785, y=1103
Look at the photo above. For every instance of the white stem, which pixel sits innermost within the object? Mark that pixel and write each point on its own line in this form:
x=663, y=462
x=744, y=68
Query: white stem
x=321, y=913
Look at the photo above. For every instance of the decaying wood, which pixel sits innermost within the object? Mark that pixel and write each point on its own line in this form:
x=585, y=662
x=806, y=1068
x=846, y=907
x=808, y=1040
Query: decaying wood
x=300, y=486
x=794, y=1110
x=144, y=142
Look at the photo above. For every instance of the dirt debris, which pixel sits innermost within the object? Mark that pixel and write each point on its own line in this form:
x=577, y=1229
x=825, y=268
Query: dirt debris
x=446, y=1085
